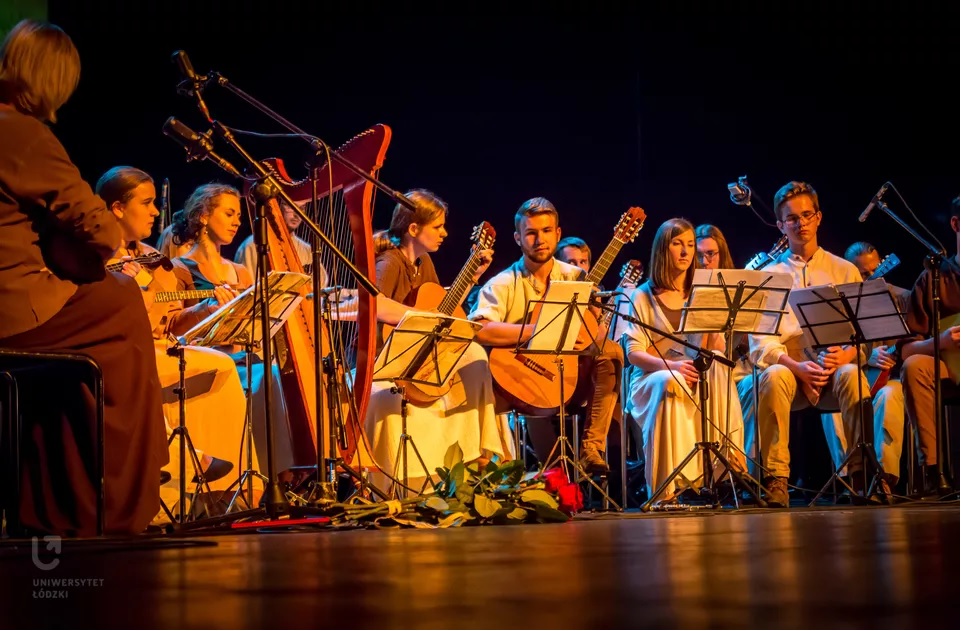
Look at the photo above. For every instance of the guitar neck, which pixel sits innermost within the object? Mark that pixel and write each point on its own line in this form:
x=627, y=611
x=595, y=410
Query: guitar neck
x=461, y=285
x=603, y=263
x=190, y=294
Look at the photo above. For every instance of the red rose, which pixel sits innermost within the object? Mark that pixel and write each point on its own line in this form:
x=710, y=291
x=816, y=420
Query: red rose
x=570, y=498
x=554, y=479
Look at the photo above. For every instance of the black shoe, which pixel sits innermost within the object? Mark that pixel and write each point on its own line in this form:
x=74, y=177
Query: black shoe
x=593, y=462
x=935, y=484
x=217, y=469
x=164, y=477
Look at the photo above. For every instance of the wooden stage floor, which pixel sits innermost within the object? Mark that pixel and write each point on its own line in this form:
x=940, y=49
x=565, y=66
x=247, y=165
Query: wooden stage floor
x=891, y=567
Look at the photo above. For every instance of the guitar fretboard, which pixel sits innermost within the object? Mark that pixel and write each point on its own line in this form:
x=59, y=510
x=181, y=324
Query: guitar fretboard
x=458, y=289
x=603, y=263
x=190, y=294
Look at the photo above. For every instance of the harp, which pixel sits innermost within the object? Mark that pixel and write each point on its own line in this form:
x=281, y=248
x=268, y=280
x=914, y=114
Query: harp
x=344, y=212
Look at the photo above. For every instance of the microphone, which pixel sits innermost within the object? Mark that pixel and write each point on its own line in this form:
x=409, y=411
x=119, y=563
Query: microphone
x=198, y=146
x=326, y=291
x=192, y=84
x=740, y=191
x=164, y=203
x=874, y=202
x=606, y=294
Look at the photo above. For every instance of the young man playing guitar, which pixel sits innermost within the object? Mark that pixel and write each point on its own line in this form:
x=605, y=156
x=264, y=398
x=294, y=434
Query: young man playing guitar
x=502, y=309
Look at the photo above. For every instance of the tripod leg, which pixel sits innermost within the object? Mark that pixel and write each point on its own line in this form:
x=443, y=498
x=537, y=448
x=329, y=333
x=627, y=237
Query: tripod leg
x=743, y=480
x=678, y=470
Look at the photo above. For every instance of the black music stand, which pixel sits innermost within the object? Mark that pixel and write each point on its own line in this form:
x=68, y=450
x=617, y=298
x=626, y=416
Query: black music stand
x=556, y=330
x=424, y=349
x=729, y=302
x=242, y=321
x=852, y=313
x=186, y=444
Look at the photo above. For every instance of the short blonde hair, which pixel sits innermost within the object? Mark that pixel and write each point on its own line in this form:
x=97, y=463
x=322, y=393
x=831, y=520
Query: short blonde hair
x=39, y=69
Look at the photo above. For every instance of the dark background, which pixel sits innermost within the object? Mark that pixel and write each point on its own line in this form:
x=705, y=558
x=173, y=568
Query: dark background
x=660, y=106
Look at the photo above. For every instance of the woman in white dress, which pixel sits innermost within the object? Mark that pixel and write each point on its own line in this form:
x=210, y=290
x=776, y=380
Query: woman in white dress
x=663, y=384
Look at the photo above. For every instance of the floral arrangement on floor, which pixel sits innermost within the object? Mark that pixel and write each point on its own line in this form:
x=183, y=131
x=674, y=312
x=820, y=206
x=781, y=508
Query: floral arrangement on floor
x=471, y=495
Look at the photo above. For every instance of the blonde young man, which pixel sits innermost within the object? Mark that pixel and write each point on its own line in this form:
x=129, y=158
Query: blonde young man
x=791, y=378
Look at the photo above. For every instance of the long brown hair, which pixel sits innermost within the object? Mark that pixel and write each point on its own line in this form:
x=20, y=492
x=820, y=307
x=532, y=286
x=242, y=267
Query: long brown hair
x=707, y=231
x=429, y=207
x=39, y=69
x=187, y=223
x=661, y=275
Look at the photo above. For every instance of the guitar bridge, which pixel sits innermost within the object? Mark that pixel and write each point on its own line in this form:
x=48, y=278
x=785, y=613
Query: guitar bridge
x=533, y=365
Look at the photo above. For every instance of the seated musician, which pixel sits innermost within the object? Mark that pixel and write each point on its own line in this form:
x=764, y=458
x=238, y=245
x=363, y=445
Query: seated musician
x=712, y=249
x=789, y=380
x=502, y=309
x=210, y=219
x=247, y=250
x=917, y=373
x=888, y=400
x=215, y=416
x=662, y=385
x=465, y=414
x=55, y=295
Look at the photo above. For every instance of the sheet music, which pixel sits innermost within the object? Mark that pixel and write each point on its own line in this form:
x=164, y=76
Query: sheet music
x=231, y=324
x=407, y=341
x=553, y=314
x=822, y=315
x=707, y=308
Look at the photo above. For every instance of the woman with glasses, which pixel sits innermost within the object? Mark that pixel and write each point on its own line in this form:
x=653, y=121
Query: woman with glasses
x=712, y=249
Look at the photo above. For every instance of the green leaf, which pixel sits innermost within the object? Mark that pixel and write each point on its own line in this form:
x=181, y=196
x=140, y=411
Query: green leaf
x=485, y=506
x=456, y=479
x=547, y=513
x=453, y=456
x=491, y=467
x=436, y=503
x=465, y=494
x=537, y=495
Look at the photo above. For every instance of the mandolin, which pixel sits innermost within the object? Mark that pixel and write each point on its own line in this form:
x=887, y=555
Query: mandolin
x=877, y=377
x=529, y=381
x=433, y=297
x=763, y=258
x=152, y=260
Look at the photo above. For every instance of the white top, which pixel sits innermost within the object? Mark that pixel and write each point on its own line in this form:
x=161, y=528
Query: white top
x=824, y=268
x=504, y=297
x=247, y=256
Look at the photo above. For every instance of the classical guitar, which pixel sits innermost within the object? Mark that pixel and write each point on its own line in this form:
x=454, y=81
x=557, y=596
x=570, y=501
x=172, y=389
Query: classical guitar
x=529, y=381
x=433, y=297
x=631, y=274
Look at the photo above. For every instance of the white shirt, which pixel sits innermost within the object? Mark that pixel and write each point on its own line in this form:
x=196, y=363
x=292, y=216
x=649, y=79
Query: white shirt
x=504, y=297
x=824, y=268
x=247, y=256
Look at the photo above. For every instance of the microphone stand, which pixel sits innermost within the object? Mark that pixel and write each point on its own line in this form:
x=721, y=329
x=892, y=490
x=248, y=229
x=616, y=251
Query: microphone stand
x=316, y=143
x=935, y=257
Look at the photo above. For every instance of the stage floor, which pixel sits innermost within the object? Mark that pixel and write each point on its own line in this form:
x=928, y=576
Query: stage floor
x=891, y=567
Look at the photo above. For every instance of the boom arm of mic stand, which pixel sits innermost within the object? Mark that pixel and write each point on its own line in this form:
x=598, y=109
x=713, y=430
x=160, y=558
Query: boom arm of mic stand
x=700, y=351
x=934, y=250
x=315, y=142
x=267, y=177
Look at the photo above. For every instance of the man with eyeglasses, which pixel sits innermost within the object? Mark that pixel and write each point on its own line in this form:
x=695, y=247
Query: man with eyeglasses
x=791, y=377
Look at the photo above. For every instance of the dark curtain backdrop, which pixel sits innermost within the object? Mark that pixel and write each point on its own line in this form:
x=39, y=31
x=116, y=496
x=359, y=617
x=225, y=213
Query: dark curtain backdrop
x=659, y=107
